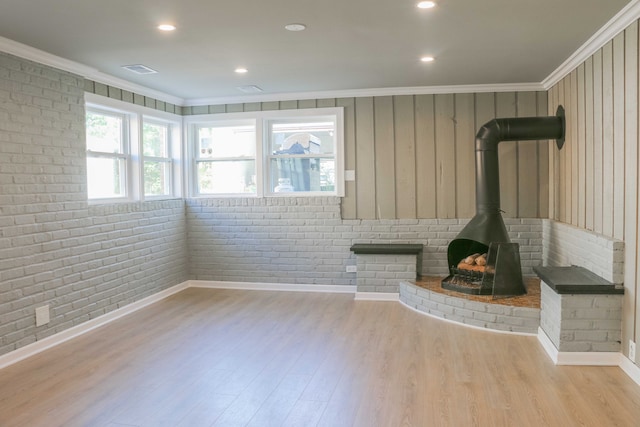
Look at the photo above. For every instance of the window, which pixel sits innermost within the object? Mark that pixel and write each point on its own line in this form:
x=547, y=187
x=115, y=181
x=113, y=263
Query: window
x=301, y=156
x=133, y=152
x=226, y=158
x=267, y=153
x=107, y=156
x=156, y=159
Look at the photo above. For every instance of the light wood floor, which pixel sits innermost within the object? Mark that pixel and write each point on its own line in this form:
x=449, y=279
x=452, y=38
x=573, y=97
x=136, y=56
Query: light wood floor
x=246, y=358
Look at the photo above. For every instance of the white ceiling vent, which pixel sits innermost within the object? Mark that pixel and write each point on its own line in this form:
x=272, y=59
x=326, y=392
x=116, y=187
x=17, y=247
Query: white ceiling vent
x=139, y=69
x=249, y=89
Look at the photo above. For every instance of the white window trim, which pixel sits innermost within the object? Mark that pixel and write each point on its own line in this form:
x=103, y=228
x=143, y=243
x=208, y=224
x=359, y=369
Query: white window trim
x=135, y=115
x=261, y=119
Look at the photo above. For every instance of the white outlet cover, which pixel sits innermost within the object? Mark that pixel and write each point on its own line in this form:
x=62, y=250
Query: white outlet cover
x=350, y=175
x=352, y=268
x=42, y=315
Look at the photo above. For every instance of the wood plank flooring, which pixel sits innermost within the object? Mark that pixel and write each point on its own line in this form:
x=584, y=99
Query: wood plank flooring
x=207, y=357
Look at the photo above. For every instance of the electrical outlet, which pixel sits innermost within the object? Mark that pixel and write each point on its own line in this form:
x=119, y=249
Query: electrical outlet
x=42, y=315
x=632, y=351
x=352, y=268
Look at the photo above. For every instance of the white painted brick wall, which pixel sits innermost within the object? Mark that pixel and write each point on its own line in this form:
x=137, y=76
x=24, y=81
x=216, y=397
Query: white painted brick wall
x=304, y=240
x=483, y=315
x=54, y=249
x=384, y=272
x=581, y=323
x=566, y=245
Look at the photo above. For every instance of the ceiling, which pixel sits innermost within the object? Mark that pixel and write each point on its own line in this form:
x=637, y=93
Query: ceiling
x=348, y=44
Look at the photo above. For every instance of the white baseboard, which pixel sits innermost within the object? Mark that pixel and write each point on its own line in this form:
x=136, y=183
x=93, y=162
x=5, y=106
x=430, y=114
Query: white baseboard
x=75, y=331
x=256, y=286
x=630, y=368
x=576, y=358
x=377, y=296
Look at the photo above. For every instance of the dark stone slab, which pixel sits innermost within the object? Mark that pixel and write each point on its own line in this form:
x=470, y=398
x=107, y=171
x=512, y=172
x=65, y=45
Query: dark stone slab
x=387, y=248
x=576, y=280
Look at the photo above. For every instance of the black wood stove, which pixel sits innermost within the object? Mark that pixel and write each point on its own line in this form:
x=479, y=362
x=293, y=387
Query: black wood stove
x=482, y=260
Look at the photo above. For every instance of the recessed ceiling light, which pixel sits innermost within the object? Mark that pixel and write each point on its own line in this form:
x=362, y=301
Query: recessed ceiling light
x=166, y=27
x=427, y=59
x=295, y=27
x=241, y=70
x=426, y=4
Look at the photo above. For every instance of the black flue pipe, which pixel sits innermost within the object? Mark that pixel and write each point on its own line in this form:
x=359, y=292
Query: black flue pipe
x=511, y=129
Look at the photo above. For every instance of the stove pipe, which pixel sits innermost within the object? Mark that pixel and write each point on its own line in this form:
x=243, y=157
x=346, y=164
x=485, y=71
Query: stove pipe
x=487, y=225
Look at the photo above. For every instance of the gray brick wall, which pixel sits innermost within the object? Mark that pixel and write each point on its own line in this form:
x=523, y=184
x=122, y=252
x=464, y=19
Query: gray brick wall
x=581, y=323
x=383, y=273
x=304, y=240
x=55, y=249
x=565, y=245
x=474, y=313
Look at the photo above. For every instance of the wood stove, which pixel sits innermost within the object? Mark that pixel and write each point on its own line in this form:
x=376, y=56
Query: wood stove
x=485, y=237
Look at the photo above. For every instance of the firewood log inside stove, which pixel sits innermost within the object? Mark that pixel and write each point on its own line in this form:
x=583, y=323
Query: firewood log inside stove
x=475, y=262
x=467, y=267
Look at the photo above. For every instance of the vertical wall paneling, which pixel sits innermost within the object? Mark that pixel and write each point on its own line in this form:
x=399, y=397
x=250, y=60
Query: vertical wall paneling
x=326, y=102
x=589, y=146
x=598, y=132
x=508, y=158
x=542, y=155
x=562, y=157
x=385, y=157
x=582, y=147
x=445, y=156
x=485, y=111
x=349, y=201
x=405, y=156
x=425, y=156
x=465, y=155
x=527, y=162
x=365, y=160
x=607, y=139
x=554, y=193
x=307, y=103
x=290, y=105
x=575, y=149
x=629, y=325
x=618, y=136
x=268, y=106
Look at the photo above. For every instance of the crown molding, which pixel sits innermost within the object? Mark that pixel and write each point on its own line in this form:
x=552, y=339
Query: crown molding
x=617, y=24
x=357, y=93
x=45, y=58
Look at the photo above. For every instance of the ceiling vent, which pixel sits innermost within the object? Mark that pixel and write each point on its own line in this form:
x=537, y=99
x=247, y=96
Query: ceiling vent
x=249, y=89
x=139, y=69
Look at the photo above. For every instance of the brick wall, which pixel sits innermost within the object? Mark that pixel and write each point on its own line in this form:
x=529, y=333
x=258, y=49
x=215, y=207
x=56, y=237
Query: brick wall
x=581, y=323
x=566, y=245
x=384, y=272
x=304, y=240
x=55, y=249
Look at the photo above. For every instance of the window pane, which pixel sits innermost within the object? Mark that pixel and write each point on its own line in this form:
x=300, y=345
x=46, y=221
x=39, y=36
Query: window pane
x=104, y=133
x=227, y=141
x=296, y=174
x=156, y=178
x=105, y=178
x=155, y=139
x=227, y=177
x=302, y=138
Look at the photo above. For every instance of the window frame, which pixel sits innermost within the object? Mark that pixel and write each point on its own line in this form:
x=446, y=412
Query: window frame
x=197, y=160
x=262, y=122
x=134, y=118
